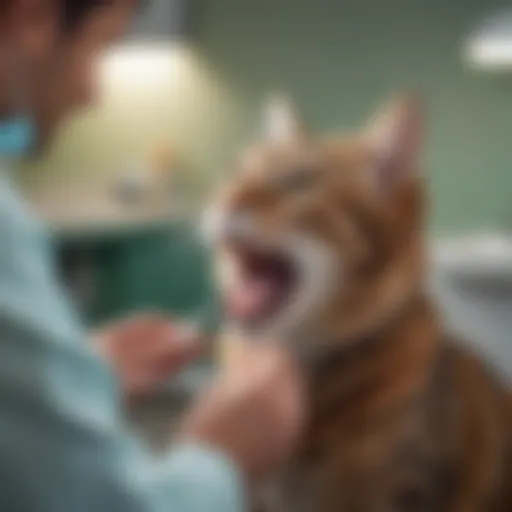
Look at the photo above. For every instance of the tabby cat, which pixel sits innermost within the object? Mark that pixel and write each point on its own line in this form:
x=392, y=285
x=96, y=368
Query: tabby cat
x=319, y=244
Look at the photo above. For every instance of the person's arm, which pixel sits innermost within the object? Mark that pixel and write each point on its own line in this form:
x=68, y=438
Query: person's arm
x=63, y=444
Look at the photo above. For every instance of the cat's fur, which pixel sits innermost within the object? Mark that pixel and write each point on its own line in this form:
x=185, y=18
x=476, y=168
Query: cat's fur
x=403, y=419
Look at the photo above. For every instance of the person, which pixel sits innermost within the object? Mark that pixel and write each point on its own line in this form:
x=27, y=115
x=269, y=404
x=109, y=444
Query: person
x=63, y=443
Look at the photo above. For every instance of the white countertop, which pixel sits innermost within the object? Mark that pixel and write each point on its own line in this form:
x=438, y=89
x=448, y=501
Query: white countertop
x=91, y=209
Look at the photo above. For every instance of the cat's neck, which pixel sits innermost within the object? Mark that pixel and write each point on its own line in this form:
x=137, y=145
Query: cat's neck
x=395, y=359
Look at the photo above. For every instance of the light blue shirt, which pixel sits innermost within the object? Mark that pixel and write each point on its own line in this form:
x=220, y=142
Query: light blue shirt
x=63, y=444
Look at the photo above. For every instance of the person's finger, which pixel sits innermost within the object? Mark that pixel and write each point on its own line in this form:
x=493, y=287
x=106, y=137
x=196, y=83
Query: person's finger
x=255, y=355
x=259, y=375
x=270, y=358
x=171, y=350
x=170, y=341
x=149, y=336
x=167, y=367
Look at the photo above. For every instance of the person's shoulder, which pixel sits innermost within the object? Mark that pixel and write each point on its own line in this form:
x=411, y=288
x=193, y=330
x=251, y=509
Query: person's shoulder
x=16, y=216
x=25, y=247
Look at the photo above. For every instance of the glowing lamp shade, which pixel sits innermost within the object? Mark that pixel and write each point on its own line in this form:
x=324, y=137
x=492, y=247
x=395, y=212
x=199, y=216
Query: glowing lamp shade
x=155, y=51
x=149, y=65
x=489, y=48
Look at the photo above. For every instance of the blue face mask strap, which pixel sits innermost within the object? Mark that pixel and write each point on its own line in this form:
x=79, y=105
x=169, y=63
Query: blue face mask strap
x=17, y=133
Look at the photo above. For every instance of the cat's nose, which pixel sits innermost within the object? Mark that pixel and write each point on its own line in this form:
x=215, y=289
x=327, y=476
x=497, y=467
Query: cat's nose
x=220, y=225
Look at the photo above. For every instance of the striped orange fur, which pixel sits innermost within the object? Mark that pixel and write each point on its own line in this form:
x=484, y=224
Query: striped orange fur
x=403, y=418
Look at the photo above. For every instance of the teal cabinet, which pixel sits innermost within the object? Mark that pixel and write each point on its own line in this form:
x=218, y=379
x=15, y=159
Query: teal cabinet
x=167, y=271
x=164, y=269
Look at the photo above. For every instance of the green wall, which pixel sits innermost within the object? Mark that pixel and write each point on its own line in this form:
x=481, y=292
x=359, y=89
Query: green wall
x=339, y=58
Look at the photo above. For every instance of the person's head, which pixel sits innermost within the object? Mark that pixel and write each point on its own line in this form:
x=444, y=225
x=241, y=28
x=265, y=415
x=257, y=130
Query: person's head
x=48, y=52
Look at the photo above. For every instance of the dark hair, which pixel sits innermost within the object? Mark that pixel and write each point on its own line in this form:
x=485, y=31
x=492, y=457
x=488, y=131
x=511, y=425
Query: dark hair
x=74, y=11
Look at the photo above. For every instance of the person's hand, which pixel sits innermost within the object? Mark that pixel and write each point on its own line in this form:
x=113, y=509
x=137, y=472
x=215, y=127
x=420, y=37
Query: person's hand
x=146, y=350
x=253, y=413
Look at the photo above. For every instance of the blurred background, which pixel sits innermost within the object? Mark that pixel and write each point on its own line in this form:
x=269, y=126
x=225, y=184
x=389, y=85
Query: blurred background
x=123, y=187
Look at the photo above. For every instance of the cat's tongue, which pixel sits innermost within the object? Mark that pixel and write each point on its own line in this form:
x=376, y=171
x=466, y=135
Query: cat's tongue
x=251, y=298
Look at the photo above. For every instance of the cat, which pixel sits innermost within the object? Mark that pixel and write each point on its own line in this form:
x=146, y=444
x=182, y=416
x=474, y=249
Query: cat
x=319, y=244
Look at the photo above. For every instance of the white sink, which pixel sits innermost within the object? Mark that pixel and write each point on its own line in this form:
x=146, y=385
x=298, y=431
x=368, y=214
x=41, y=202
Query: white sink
x=485, y=257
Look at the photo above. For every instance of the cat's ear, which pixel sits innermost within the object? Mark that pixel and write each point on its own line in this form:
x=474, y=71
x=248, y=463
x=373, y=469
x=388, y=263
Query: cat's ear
x=281, y=121
x=394, y=138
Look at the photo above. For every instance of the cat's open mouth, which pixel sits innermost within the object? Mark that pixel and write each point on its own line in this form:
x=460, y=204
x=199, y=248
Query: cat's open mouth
x=263, y=284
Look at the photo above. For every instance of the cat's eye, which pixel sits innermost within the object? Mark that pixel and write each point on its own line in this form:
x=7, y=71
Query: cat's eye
x=297, y=179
